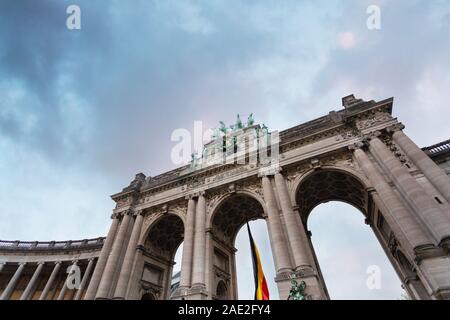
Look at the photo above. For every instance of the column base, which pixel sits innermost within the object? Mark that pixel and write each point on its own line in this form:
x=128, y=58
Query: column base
x=314, y=290
x=435, y=275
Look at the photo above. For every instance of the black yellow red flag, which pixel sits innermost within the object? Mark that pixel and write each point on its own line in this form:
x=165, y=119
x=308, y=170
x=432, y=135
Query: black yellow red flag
x=261, y=290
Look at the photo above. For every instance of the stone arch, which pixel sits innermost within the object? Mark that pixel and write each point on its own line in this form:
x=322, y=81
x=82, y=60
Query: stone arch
x=304, y=175
x=227, y=218
x=158, y=246
x=250, y=203
x=153, y=218
x=224, y=197
x=165, y=233
x=326, y=184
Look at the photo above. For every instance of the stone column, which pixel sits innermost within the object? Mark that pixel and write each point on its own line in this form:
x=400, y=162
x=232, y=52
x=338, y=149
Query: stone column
x=125, y=272
x=2, y=264
x=396, y=211
x=63, y=291
x=50, y=281
x=209, y=263
x=188, y=246
x=101, y=262
x=430, y=169
x=28, y=292
x=297, y=244
x=86, y=275
x=13, y=282
x=198, y=268
x=277, y=239
x=427, y=210
x=105, y=283
x=133, y=284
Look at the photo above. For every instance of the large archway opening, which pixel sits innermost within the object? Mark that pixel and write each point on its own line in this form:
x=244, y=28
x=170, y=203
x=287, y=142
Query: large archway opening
x=352, y=261
x=230, y=249
x=246, y=285
x=161, y=245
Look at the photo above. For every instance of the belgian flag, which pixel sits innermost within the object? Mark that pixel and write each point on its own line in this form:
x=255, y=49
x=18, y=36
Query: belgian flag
x=261, y=290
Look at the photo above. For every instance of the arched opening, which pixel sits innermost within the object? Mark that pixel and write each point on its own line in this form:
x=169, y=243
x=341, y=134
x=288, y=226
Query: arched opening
x=353, y=265
x=246, y=284
x=222, y=291
x=227, y=221
x=176, y=270
x=163, y=240
x=352, y=262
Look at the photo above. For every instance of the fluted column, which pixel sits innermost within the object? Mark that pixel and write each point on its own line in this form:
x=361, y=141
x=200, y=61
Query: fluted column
x=430, y=169
x=27, y=293
x=277, y=239
x=50, y=281
x=437, y=222
x=198, y=272
x=125, y=272
x=101, y=262
x=86, y=275
x=296, y=241
x=105, y=282
x=13, y=282
x=188, y=245
x=404, y=219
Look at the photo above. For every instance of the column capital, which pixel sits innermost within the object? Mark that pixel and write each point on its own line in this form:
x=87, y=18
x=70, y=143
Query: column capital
x=22, y=263
x=91, y=259
x=395, y=127
x=197, y=194
x=189, y=196
x=123, y=213
x=269, y=171
x=356, y=146
x=40, y=262
x=139, y=212
x=371, y=135
x=117, y=215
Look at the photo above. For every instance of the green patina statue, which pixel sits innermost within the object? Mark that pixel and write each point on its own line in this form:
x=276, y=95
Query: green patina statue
x=238, y=124
x=194, y=160
x=223, y=128
x=250, y=120
x=297, y=291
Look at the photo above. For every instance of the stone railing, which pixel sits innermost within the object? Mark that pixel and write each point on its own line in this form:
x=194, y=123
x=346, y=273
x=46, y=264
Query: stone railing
x=438, y=149
x=95, y=243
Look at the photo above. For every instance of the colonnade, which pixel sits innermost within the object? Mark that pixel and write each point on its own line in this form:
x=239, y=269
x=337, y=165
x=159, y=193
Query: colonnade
x=50, y=284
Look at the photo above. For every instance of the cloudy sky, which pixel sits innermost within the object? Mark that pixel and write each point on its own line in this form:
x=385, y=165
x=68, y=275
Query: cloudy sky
x=82, y=111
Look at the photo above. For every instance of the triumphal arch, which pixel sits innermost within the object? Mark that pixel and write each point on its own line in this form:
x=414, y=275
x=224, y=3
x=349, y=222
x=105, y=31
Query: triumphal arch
x=359, y=155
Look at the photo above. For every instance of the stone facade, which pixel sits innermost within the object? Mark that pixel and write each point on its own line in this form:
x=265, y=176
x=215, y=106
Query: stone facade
x=358, y=155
